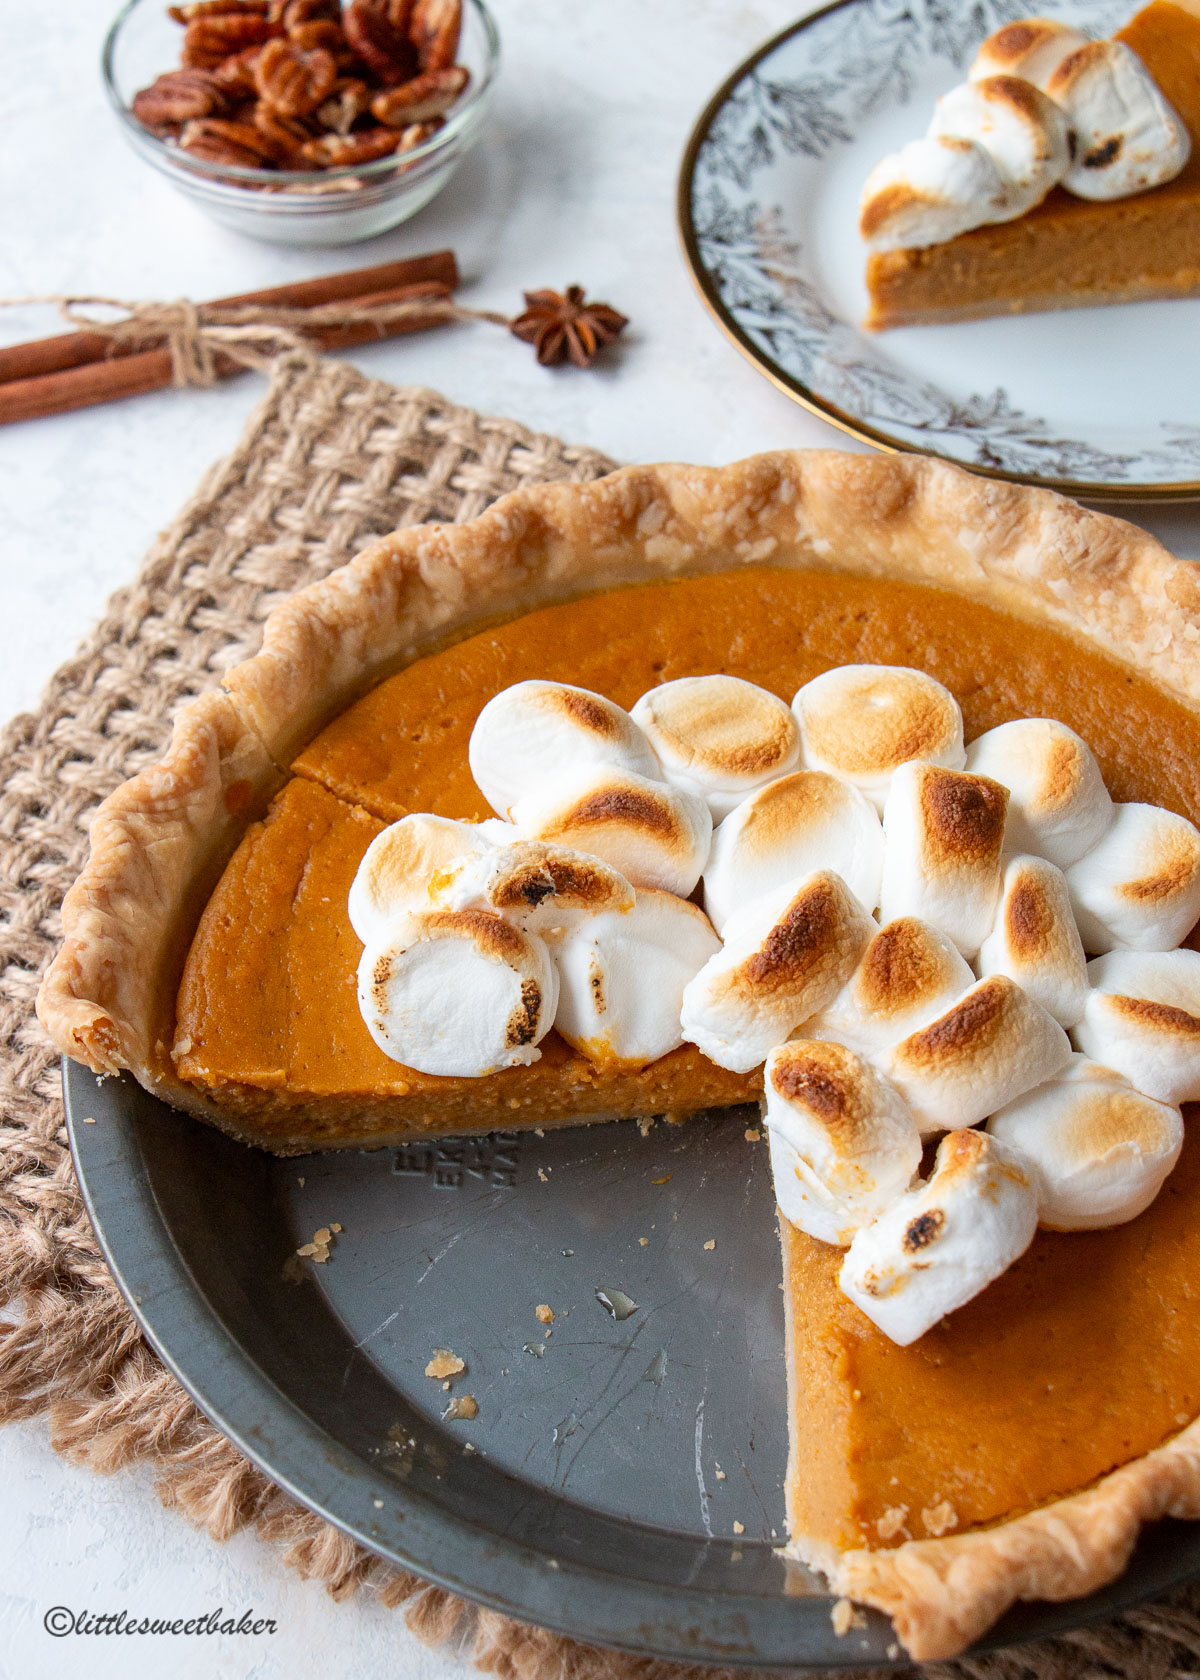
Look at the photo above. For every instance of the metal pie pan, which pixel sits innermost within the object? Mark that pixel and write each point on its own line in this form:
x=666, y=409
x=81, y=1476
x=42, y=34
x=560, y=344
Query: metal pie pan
x=585, y=1496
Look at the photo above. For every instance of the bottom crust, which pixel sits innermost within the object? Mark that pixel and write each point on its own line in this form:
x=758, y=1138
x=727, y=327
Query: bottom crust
x=943, y=1594
x=301, y=1123
x=889, y=312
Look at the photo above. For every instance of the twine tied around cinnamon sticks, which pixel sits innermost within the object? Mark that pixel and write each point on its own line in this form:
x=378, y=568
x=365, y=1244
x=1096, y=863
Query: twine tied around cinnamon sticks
x=198, y=336
x=123, y=349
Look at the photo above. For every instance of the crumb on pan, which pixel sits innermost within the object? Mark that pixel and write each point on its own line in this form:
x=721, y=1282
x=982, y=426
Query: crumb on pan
x=444, y=1364
x=846, y=1616
x=322, y=1241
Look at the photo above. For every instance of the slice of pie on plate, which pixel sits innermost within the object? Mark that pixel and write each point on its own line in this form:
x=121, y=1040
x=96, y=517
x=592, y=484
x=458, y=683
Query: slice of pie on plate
x=1065, y=251
x=1015, y=1449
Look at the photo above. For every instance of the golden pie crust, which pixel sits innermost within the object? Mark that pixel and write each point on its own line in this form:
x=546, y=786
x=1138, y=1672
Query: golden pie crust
x=161, y=842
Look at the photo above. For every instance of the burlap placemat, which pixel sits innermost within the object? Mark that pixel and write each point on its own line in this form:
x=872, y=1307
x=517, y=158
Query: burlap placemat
x=328, y=462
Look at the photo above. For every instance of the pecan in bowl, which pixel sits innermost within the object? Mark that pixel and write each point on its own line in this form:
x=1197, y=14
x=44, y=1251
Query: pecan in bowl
x=301, y=73
x=266, y=109
x=178, y=96
x=293, y=82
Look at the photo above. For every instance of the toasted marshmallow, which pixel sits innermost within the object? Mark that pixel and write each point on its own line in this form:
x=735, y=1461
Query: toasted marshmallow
x=655, y=834
x=989, y=1048
x=1127, y=136
x=622, y=976
x=843, y=1142
x=1058, y=805
x=1035, y=940
x=534, y=883
x=397, y=868
x=1026, y=133
x=1138, y=889
x=1096, y=1150
x=938, y=1246
x=929, y=191
x=785, y=957
x=1032, y=49
x=801, y=822
x=943, y=834
x=909, y=975
x=719, y=736
x=459, y=992
x=529, y=735
x=1142, y=1017
x=861, y=722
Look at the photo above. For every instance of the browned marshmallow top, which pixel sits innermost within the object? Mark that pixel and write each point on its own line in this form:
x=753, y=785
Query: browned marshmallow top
x=818, y=934
x=906, y=964
x=862, y=721
x=962, y=817
x=831, y=1081
x=529, y=873
x=722, y=728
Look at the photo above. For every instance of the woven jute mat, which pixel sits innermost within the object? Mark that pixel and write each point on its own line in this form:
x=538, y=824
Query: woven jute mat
x=329, y=461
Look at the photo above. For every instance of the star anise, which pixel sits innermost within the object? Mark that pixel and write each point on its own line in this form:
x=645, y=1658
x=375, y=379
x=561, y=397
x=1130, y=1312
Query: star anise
x=566, y=328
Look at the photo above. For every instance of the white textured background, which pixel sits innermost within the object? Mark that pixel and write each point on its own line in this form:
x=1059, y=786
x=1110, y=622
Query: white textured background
x=575, y=182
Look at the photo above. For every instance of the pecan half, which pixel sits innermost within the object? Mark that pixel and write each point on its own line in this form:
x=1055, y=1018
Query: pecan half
x=399, y=13
x=234, y=143
x=284, y=136
x=293, y=13
x=417, y=135
x=375, y=38
x=294, y=82
x=236, y=73
x=324, y=34
x=217, y=8
x=424, y=97
x=208, y=41
x=348, y=101
x=434, y=31
x=177, y=97
x=335, y=151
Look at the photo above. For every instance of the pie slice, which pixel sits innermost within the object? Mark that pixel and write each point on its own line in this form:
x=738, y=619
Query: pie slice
x=1013, y=1451
x=1067, y=251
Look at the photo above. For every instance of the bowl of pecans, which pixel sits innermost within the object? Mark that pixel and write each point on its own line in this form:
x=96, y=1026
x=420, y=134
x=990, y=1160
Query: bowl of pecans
x=309, y=122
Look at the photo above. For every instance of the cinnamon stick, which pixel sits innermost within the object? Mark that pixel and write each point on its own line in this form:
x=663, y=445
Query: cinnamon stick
x=77, y=349
x=132, y=374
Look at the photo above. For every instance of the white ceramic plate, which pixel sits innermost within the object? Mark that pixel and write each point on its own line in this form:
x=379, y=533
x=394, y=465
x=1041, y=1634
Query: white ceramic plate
x=1102, y=402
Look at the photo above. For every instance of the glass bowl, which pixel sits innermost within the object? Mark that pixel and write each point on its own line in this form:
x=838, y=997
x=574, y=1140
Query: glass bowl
x=286, y=207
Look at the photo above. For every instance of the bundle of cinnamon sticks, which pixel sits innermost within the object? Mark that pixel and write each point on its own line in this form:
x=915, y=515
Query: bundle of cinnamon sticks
x=79, y=369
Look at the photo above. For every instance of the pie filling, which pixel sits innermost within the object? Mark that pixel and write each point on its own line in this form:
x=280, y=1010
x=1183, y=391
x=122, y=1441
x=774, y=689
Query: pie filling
x=1080, y=1357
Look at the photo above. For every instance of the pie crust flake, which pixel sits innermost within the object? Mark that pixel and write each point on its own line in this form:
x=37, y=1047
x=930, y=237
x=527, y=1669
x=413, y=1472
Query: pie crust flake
x=161, y=843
